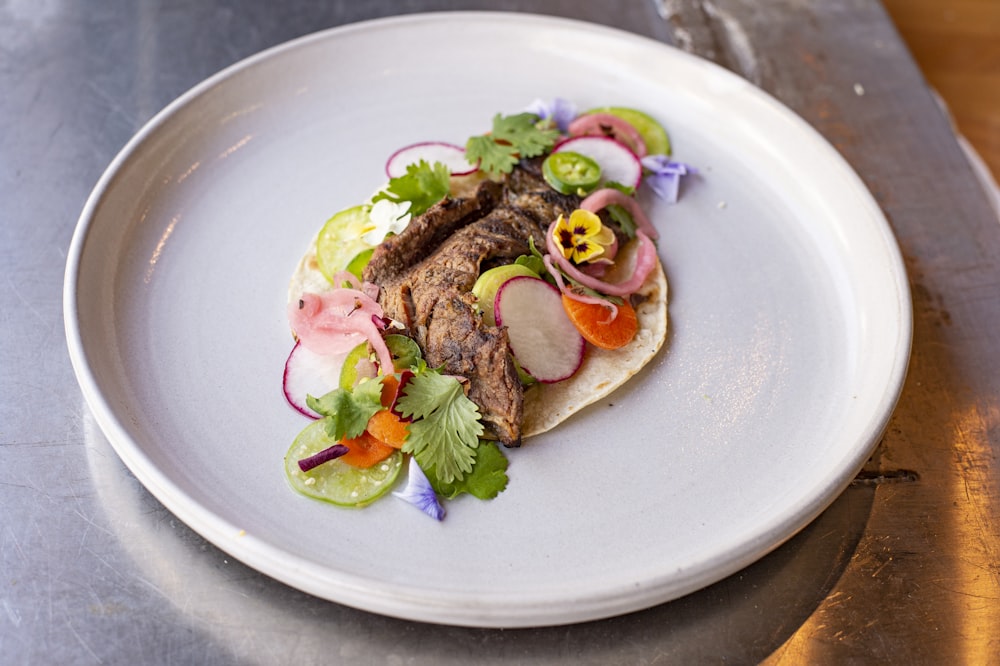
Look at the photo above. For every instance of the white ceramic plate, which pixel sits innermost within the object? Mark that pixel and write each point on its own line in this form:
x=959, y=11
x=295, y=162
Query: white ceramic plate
x=790, y=324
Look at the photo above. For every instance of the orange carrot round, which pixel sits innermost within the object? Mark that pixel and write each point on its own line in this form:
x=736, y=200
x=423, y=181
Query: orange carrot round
x=365, y=451
x=388, y=428
x=594, y=322
x=390, y=386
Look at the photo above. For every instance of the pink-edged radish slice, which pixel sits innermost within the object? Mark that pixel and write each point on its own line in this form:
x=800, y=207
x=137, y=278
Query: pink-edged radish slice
x=618, y=163
x=542, y=338
x=450, y=155
x=609, y=125
x=309, y=373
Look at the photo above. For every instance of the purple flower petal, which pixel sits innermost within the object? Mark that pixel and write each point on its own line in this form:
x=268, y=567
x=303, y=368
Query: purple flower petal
x=664, y=175
x=666, y=185
x=561, y=111
x=420, y=493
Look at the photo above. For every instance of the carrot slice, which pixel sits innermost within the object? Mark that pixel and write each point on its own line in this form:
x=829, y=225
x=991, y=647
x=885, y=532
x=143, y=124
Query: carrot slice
x=390, y=387
x=388, y=428
x=365, y=451
x=592, y=320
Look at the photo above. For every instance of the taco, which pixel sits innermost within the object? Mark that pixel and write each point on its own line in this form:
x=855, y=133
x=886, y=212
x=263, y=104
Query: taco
x=426, y=275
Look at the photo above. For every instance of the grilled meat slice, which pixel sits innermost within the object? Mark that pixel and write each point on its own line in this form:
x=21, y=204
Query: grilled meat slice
x=426, y=277
x=426, y=232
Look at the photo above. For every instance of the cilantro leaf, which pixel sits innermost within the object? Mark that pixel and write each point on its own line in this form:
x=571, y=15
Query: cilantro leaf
x=487, y=479
x=346, y=412
x=423, y=185
x=445, y=430
x=511, y=138
x=492, y=157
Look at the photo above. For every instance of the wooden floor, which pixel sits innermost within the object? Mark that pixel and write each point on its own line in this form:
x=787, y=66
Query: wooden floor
x=957, y=45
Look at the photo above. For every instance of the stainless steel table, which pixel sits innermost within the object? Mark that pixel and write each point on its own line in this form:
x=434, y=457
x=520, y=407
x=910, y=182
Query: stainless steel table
x=904, y=567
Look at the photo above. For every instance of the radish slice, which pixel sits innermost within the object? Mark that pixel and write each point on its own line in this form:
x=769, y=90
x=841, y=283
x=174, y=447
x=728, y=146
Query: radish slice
x=618, y=163
x=450, y=155
x=609, y=125
x=544, y=341
x=309, y=373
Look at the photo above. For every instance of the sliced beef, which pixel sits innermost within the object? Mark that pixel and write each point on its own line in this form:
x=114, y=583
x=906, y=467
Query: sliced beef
x=426, y=276
x=426, y=232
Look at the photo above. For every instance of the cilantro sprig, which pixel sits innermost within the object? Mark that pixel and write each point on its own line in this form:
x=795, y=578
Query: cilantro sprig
x=346, y=411
x=423, y=185
x=487, y=479
x=445, y=430
x=513, y=137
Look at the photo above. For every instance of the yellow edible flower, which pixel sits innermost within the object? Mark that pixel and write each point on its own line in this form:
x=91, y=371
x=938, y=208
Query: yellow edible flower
x=582, y=238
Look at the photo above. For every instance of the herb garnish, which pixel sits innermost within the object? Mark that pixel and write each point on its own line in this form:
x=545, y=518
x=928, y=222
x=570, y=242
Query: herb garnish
x=445, y=430
x=346, y=411
x=423, y=185
x=512, y=138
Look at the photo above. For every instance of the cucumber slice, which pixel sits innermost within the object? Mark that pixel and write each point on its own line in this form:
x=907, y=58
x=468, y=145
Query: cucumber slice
x=335, y=481
x=339, y=242
x=653, y=135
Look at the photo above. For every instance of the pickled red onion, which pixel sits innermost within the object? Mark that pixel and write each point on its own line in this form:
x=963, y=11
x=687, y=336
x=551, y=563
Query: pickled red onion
x=608, y=196
x=644, y=264
x=582, y=298
x=336, y=321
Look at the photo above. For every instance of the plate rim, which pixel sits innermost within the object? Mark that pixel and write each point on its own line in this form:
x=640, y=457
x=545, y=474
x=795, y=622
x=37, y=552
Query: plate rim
x=408, y=603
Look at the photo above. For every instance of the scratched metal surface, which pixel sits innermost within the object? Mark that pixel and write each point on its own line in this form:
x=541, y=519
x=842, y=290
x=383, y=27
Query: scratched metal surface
x=903, y=567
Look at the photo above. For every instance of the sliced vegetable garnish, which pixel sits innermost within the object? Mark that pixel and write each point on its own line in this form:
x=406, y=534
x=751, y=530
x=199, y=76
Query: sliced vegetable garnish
x=609, y=125
x=610, y=196
x=644, y=264
x=335, y=321
x=335, y=481
x=357, y=265
x=450, y=155
x=607, y=326
x=405, y=352
x=308, y=373
x=487, y=284
x=543, y=340
x=340, y=241
x=653, y=135
x=388, y=428
x=365, y=451
x=617, y=162
x=324, y=456
x=420, y=493
x=571, y=173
